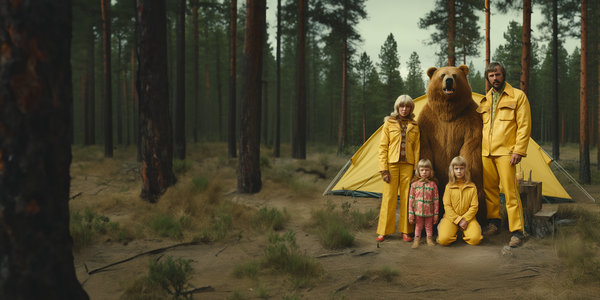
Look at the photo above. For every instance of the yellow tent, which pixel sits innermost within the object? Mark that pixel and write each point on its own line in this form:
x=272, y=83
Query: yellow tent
x=360, y=176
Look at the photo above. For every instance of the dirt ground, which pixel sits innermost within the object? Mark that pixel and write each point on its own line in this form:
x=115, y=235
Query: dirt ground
x=460, y=271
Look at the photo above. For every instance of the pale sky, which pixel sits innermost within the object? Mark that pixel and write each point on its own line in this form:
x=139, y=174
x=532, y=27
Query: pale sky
x=401, y=18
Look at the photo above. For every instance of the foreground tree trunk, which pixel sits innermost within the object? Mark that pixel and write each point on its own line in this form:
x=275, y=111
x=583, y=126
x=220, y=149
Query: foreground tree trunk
x=108, y=125
x=35, y=151
x=277, y=139
x=344, y=102
x=231, y=134
x=299, y=139
x=584, y=129
x=526, y=48
x=249, y=180
x=155, y=123
x=180, y=146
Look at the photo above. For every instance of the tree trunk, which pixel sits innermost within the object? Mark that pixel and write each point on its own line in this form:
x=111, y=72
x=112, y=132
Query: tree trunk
x=196, y=84
x=127, y=130
x=487, y=41
x=118, y=102
x=584, y=151
x=84, y=109
x=207, y=116
x=598, y=142
x=180, y=146
x=91, y=91
x=276, y=146
x=249, y=180
x=451, y=32
x=219, y=94
x=35, y=151
x=135, y=50
x=343, y=108
x=108, y=126
x=563, y=135
x=555, y=135
x=299, y=145
x=231, y=134
x=526, y=48
x=155, y=123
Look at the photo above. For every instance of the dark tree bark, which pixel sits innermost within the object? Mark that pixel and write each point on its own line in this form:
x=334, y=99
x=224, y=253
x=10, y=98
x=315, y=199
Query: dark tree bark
x=135, y=89
x=155, y=123
x=526, y=48
x=108, y=126
x=127, y=129
x=487, y=41
x=180, y=146
x=299, y=139
x=118, y=101
x=91, y=90
x=249, y=180
x=343, y=105
x=277, y=140
x=231, y=134
x=84, y=109
x=584, y=141
x=207, y=116
x=219, y=91
x=196, y=84
x=451, y=31
x=598, y=152
x=35, y=151
x=555, y=135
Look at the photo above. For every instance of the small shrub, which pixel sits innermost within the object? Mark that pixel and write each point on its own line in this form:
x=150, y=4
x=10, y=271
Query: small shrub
x=172, y=275
x=270, y=218
x=84, y=227
x=363, y=220
x=166, y=226
x=389, y=273
x=265, y=163
x=200, y=183
x=142, y=289
x=181, y=166
x=261, y=292
x=236, y=296
x=336, y=235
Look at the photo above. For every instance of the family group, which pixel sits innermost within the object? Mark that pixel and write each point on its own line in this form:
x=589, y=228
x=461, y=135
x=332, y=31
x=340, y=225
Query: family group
x=506, y=129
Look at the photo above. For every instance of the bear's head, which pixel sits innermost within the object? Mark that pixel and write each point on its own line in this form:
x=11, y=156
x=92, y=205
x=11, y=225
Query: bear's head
x=448, y=83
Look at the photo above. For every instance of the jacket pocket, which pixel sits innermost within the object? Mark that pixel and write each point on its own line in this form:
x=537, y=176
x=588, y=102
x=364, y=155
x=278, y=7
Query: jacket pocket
x=506, y=111
x=484, y=112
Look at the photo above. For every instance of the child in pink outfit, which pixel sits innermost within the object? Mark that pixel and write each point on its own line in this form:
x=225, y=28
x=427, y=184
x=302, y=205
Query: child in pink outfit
x=423, y=203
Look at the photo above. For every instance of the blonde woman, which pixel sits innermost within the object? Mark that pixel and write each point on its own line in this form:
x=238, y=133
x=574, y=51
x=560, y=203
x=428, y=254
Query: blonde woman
x=398, y=156
x=461, y=205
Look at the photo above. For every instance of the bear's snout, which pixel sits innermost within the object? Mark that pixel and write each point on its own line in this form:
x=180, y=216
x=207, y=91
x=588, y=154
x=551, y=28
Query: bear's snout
x=448, y=89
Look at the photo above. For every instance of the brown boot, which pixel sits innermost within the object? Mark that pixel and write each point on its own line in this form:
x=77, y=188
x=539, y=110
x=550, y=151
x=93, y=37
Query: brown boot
x=430, y=241
x=416, y=242
x=491, y=230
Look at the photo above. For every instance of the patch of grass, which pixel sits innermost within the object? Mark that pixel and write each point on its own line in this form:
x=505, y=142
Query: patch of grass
x=171, y=275
x=386, y=272
x=249, y=269
x=236, y=296
x=292, y=297
x=169, y=226
x=272, y=218
x=334, y=227
x=200, y=183
x=86, y=227
x=284, y=255
x=578, y=245
x=181, y=166
x=265, y=163
x=142, y=289
x=262, y=292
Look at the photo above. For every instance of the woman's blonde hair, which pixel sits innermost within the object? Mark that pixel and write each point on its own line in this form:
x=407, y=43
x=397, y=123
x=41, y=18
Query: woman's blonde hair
x=424, y=163
x=458, y=161
x=403, y=100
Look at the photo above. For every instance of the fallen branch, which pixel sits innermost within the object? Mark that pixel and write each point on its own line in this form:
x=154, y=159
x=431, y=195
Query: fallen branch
x=526, y=276
x=222, y=250
x=76, y=196
x=199, y=290
x=428, y=290
x=365, y=253
x=330, y=254
x=98, y=191
x=155, y=251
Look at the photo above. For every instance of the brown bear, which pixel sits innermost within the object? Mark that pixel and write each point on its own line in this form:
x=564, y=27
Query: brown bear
x=450, y=126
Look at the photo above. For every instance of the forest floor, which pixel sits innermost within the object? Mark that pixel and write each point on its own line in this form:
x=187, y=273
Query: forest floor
x=111, y=187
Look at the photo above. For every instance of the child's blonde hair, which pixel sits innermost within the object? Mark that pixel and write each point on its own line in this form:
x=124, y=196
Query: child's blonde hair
x=458, y=161
x=424, y=163
x=403, y=100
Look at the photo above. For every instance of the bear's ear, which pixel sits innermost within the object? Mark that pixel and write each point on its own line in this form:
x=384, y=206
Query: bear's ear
x=430, y=71
x=465, y=69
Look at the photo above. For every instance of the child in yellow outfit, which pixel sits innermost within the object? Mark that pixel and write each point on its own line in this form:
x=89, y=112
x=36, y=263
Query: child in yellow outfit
x=461, y=204
x=399, y=149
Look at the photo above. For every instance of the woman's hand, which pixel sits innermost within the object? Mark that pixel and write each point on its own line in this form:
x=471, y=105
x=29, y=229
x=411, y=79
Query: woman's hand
x=463, y=224
x=385, y=175
x=411, y=221
x=435, y=219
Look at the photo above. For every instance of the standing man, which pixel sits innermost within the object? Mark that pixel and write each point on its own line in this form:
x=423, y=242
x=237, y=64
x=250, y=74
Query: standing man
x=506, y=129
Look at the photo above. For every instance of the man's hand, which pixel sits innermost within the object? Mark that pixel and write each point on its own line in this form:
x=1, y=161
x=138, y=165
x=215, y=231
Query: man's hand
x=515, y=159
x=385, y=175
x=463, y=224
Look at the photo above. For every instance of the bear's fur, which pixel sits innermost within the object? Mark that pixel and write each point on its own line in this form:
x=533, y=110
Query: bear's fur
x=450, y=126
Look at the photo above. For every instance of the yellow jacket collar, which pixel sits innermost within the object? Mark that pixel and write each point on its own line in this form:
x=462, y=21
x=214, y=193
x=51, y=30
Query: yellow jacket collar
x=508, y=89
x=393, y=120
x=468, y=184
